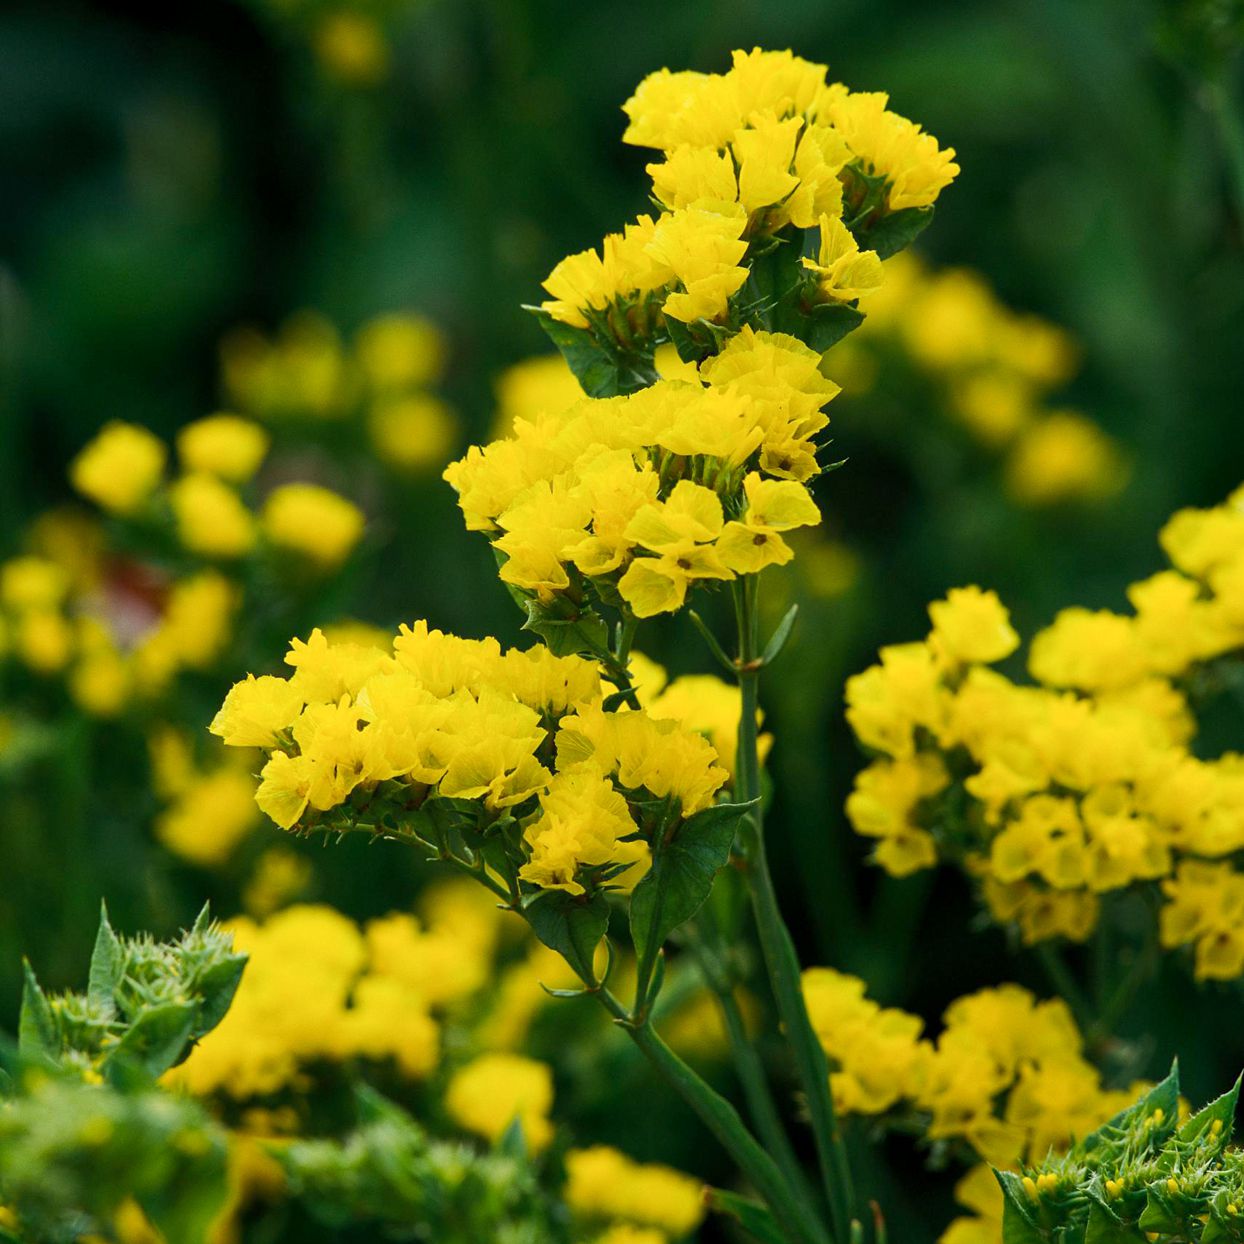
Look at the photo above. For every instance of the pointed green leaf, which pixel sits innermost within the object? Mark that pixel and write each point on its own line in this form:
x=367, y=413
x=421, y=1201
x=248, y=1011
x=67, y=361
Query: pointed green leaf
x=777, y=641
x=107, y=961
x=38, y=1033
x=1220, y=1111
x=1019, y=1224
x=603, y=370
x=1104, y=1227
x=711, y=640
x=825, y=324
x=570, y=924
x=894, y=231
x=583, y=635
x=157, y=1040
x=217, y=986
x=681, y=875
x=753, y=1217
x=1163, y=1096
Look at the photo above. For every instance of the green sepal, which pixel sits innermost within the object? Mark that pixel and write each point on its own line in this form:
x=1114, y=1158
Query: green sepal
x=893, y=232
x=752, y=1217
x=107, y=962
x=601, y=370
x=570, y=924
x=157, y=1040
x=681, y=876
x=38, y=1033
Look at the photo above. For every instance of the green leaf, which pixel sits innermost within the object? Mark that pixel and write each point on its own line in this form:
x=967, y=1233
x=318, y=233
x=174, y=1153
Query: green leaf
x=107, y=961
x=584, y=634
x=1161, y=1213
x=894, y=231
x=1019, y=1224
x=711, y=640
x=187, y=1208
x=1221, y=1110
x=1104, y=1227
x=38, y=1033
x=681, y=876
x=1163, y=1096
x=753, y=1217
x=570, y=924
x=777, y=641
x=218, y=985
x=157, y=1040
x=602, y=370
x=827, y=323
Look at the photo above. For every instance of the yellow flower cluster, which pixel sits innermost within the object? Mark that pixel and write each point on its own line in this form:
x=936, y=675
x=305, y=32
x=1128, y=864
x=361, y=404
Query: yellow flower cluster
x=1055, y=793
x=602, y=1183
x=317, y=988
x=111, y=641
x=383, y=378
x=993, y=370
x=1006, y=1077
x=646, y=495
x=766, y=145
x=122, y=471
x=519, y=734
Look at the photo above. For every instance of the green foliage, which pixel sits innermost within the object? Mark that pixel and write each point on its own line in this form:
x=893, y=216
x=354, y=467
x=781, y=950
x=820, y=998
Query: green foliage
x=71, y=1153
x=390, y=1173
x=681, y=876
x=145, y=1003
x=1141, y=1176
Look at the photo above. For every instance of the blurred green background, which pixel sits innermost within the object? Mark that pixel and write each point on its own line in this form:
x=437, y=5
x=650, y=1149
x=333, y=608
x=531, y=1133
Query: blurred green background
x=173, y=171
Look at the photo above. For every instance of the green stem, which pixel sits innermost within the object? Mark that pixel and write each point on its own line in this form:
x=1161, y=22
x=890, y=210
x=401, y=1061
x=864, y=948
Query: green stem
x=747, y=1063
x=777, y=948
x=721, y=1118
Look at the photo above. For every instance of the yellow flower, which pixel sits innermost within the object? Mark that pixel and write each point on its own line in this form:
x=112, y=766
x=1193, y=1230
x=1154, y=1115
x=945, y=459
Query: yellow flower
x=972, y=626
x=844, y=272
x=210, y=818
x=602, y=1182
x=256, y=711
x=702, y=247
x=224, y=445
x=120, y=468
x=773, y=506
x=315, y=522
x=32, y=583
x=916, y=170
x=399, y=352
x=1064, y=456
x=582, y=820
x=211, y=518
x=413, y=432
x=493, y=1091
x=285, y=788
